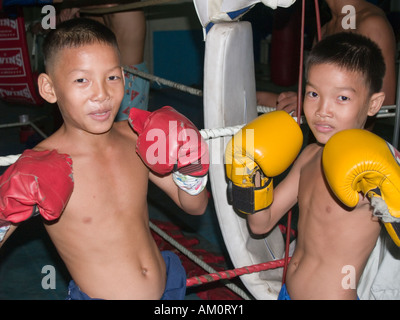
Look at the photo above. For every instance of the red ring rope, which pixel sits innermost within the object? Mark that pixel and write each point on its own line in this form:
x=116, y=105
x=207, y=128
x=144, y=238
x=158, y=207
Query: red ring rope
x=228, y=274
x=298, y=111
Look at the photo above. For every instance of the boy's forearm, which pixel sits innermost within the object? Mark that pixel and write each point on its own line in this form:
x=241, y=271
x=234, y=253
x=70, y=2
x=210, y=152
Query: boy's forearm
x=260, y=222
x=194, y=205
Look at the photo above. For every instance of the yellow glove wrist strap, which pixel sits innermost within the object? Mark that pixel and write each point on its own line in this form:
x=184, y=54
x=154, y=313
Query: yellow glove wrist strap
x=249, y=200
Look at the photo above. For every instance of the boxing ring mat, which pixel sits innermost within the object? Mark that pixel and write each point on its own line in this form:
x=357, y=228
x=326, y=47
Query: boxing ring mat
x=229, y=100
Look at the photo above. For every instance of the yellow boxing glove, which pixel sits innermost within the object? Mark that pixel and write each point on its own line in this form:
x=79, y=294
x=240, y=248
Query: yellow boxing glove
x=268, y=144
x=357, y=161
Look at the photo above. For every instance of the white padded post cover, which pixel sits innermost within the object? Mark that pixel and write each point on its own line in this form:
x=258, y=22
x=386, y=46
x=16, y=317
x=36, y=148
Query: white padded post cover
x=230, y=99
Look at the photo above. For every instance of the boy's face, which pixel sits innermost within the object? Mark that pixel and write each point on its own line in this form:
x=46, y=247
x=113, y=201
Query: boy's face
x=87, y=83
x=337, y=99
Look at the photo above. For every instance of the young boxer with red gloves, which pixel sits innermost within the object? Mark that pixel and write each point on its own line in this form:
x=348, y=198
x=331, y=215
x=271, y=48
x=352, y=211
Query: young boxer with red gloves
x=335, y=181
x=101, y=225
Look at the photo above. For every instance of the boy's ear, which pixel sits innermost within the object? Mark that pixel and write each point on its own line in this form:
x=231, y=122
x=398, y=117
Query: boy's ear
x=375, y=103
x=46, y=89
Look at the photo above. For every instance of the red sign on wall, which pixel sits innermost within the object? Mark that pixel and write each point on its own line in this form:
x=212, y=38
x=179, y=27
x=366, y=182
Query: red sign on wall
x=17, y=83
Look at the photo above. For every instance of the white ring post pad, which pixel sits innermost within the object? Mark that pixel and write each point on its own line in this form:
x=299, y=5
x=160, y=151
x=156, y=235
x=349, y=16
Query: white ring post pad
x=230, y=99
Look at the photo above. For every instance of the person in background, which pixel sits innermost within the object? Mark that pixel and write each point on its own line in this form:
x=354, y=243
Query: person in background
x=371, y=22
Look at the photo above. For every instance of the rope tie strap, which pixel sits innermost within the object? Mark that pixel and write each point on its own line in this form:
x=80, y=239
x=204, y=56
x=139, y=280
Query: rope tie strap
x=219, y=132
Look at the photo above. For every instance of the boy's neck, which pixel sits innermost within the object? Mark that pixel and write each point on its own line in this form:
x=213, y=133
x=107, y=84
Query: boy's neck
x=88, y=141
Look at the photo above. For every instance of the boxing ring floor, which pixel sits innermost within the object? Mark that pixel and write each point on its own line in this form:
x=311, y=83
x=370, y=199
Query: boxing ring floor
x=29, y=249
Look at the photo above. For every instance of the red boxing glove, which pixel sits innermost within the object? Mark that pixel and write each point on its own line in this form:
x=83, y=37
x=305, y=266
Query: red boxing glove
x=38, y=178
x=169, y=142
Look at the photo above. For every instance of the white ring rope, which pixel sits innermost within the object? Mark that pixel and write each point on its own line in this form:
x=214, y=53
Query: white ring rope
x=384, y=112
x=169, y=83
x=8, y=160
x=207, y=134
x=220, y=132
x=126, y=7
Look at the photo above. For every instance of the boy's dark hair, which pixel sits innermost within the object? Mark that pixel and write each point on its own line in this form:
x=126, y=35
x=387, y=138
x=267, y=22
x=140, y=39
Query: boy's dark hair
x=75, y=33
x=352, y=52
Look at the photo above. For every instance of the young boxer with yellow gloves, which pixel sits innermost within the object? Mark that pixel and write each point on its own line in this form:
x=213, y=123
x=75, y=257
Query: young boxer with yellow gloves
x=94, y=183
x=334, y=181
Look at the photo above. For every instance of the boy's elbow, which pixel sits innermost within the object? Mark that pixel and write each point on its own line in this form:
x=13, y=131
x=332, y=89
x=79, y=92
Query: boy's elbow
x=202, y=207
x=198, y=212
x=259, y=230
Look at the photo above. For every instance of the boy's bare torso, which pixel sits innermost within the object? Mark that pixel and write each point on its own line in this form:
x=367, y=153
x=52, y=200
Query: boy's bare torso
x=334, y=242
x=103, y=235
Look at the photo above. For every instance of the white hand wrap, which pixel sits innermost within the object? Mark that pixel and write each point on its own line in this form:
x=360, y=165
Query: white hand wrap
x=3, y=231
x=190, y=184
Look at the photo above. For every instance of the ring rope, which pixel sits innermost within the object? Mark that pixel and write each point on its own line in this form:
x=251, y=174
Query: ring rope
x=384, y=112
x=219, y=132
x=126, y=7
x=25, y=123
x=197, y=260
x=207, y=134
x=8, y=160
x=166, y=82
x=229, y=274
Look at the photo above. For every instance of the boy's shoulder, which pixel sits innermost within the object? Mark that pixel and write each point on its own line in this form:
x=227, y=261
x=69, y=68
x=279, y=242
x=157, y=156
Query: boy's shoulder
x=308, y=154
x=123, y=127
x=372, y=16
x=49, y=143
x=59, y=141
x=311, y=150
